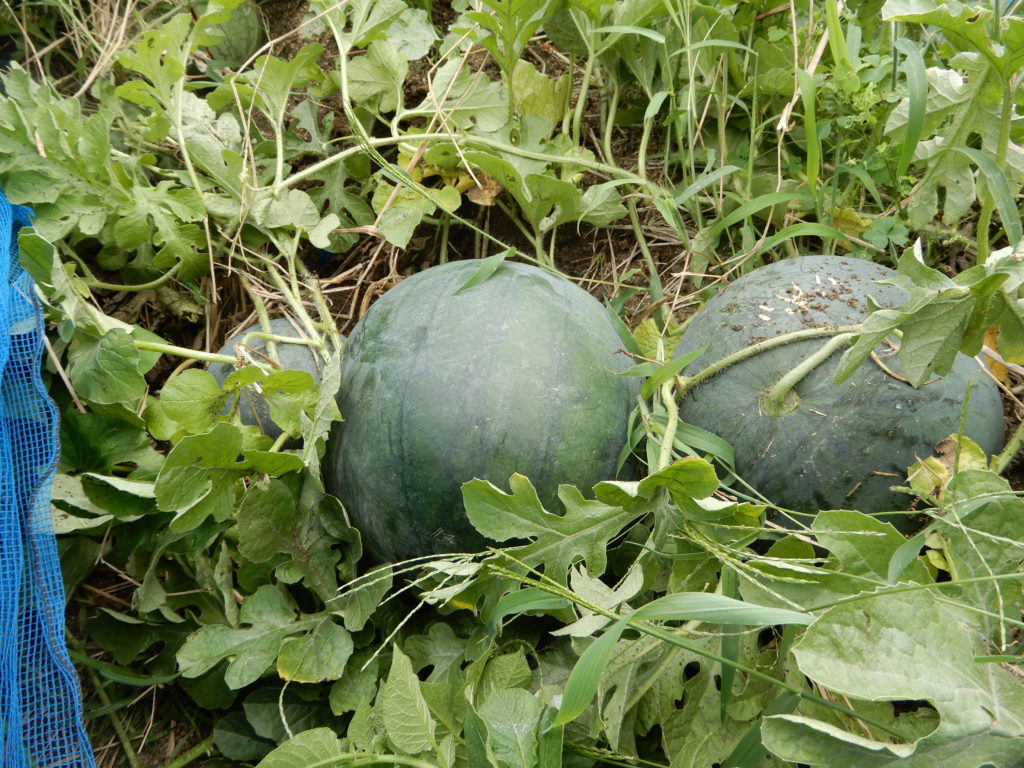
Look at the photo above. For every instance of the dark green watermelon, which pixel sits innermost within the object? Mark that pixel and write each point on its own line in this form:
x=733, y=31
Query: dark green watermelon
x=252, y=407
x=843, y=446
x=440, y=386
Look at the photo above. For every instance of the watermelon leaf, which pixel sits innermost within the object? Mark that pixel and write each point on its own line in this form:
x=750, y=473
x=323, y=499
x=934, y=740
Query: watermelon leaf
x=558, y=541
x=904, y=646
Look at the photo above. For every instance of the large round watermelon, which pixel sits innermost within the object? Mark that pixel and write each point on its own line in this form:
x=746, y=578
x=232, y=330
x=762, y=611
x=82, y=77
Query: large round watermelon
x=439, y=386
x=842, y=446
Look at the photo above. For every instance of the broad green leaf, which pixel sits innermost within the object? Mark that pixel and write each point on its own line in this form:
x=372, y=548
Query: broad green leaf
x=358, y=684
x=441, y=650
x=160, y=56
x=276, y=714
x=905, y=646
x=595, y=592
x=198, y=468
x=164, y=215
x=512, y=716
x=862, y=549
x=689, y=478
x=407, y=719
x=582, y=532
x=466, y=99
x=274, y=79
x=94, y=442
x=501, y=670
x=325, y=413
x=267, y=619
x=965, y=26
x=236, y=740
x=448, y=705
x=412, y=34
x=400, y=212
x=106, y=371
x=289, y=395
x=294, y=209
x=940, y=317
x=320, y=655
x=191, y=400
x=319, y=746
x=534, y=93
x=357, y=602
x=982, y=538
x=271, y=521
x=799, y=739
x=271, y=462
x=375, y=80
x=360, y=22
x=859, y=545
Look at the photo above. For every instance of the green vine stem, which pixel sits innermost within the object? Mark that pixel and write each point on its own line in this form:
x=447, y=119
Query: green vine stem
x=1013, y=447
x=687, y=383
x=130, y=756
x=204, y=747
x=176, y=351
x=668, y=439
x=90, y=279
x=779, y=399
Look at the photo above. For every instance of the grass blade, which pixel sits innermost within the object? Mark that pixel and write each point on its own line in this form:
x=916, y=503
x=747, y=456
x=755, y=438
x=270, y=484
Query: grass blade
x=586, y=675
x=999, y=188
x=759, y=203
x=529, y=599
x=807, y=95
x=730, y=642
x=917, y=93
x=805, y=229
x=716, y=609
x=487, y=268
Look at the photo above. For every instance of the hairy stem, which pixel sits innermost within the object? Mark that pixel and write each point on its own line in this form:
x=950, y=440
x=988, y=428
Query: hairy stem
x=1013, y=447
x=686, y=383
x=668, y=439
x=194, y=354
x=780, y=399
x=581, y=101
x=204, y=747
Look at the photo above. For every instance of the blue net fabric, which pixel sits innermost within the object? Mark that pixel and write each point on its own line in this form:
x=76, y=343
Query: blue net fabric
x=40, y=704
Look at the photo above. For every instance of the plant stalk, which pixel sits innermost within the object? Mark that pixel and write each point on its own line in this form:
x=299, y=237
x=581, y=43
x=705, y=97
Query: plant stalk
x=122, y=735
x=686, y=383
x=778, y=399
x=1013, y=447
x=194, y=354
x=187, y=758
x=668, y=439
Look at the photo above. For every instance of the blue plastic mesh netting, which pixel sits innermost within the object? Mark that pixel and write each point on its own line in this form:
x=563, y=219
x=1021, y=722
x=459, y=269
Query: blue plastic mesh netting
x=40, y=709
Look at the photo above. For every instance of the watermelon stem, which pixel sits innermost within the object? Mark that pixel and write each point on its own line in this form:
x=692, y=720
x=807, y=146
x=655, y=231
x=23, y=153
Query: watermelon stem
x=780, y=399
x=1001, y=462
x=194, y=354
x=686, y=383
x=672, y=423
